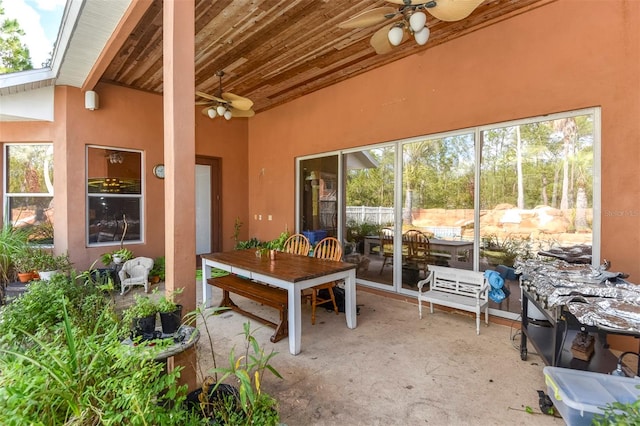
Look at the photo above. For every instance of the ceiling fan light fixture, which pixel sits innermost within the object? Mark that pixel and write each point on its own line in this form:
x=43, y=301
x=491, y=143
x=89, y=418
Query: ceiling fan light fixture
x=227, y=115
x=220, y=109
x=417, y=21
x=422, y=36
x=211, y=112
x=396, y=34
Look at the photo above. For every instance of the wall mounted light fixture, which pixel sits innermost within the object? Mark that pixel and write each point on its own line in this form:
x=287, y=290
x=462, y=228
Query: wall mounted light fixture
x=91, y=100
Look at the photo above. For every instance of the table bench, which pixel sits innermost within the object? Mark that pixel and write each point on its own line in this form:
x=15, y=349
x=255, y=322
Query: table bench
x=456, y=288
x=262, y=293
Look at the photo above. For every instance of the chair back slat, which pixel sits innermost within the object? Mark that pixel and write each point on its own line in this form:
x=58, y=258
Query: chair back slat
x=418, y=243
x=328, y=248
x=297, y=244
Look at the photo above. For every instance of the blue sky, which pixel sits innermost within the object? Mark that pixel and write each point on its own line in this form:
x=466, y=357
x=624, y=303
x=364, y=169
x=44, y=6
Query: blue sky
x=40, y=20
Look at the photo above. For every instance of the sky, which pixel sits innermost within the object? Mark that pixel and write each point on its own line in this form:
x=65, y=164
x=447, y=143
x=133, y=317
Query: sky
x=40, y=20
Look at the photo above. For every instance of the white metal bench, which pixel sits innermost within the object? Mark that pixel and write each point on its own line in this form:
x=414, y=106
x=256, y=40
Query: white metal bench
x=456, y=288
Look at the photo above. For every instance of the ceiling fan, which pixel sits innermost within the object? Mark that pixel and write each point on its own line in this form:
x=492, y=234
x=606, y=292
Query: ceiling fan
x=412, y=23
x=225, y=104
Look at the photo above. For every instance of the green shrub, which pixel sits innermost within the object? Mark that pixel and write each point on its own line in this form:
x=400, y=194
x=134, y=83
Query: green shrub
x=40, y=308
x=80, y=377
x=158, y=268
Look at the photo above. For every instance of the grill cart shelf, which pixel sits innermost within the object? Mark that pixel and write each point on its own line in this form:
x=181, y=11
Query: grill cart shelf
x=551, y=332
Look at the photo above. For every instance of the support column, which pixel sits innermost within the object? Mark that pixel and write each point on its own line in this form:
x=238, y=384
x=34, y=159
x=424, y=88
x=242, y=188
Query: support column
x=179, y=160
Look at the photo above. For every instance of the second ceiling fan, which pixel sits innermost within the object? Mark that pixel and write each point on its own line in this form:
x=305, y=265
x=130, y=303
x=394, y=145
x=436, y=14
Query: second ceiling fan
x=412, y=22
x=225, y=104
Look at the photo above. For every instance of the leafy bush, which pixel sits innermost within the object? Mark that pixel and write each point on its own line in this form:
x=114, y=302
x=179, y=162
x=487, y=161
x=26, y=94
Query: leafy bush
x=252, y=243
x=249, y=405
x=12, y=240
x=123, y=253
x=158, y=268
x=256, y=406
x=358, y=231
x=44, y=260
x=81, y=377
x=40, y=308
x=167, y=303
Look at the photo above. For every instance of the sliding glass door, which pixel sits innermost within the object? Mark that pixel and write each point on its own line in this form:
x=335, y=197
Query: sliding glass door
x=437, y=204
x=473, y=199
x=318, y=197
x=370, y=213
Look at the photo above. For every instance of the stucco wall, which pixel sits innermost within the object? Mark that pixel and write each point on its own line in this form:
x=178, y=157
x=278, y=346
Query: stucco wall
x=558, y=57
x=127, y=119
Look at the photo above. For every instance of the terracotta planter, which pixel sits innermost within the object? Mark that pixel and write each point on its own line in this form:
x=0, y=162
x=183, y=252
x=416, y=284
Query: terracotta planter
x=25, y=277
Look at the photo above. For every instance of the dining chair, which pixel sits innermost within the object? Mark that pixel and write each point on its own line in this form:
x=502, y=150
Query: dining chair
x=419, y=251
x=328, y=248
x=386, y=246
x=297, y=244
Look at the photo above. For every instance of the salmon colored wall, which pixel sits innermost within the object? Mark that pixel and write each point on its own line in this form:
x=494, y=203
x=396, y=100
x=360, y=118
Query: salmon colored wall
x=555, y=58
x=127, y=119
x=227, y=140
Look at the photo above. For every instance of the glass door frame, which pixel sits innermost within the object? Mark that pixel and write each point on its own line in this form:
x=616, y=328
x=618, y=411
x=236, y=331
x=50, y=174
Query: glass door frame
x=477, y=131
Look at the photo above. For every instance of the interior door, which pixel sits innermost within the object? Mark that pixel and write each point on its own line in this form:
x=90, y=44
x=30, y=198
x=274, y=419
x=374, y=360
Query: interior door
x=208, y=206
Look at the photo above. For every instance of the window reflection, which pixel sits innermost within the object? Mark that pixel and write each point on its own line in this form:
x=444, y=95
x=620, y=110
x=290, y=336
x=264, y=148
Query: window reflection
x=114, y=189
x=29, y=190
x=482, y=197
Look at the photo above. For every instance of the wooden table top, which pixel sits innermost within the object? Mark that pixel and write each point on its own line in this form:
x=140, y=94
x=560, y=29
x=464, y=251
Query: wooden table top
x=288, y=267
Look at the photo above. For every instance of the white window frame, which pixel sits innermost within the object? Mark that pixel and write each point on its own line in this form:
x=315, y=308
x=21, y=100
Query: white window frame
x=140, y=196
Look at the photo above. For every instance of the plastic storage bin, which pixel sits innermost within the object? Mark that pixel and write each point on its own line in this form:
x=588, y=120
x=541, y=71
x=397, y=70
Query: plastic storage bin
x=315, y=236
x=579, y=395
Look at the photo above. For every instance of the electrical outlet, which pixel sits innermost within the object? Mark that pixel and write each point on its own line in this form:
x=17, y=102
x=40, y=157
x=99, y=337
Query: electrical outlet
x=259, y=217
x=255, y=217
x=270, y=217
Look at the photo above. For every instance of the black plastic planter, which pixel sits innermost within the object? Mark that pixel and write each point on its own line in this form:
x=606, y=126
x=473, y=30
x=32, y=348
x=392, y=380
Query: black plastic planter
x=171, y=320
x=222, y=394
x=144, y=326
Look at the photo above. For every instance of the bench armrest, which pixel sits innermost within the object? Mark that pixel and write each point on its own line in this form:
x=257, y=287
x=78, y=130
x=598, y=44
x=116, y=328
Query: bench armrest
x=427, y=280
x=482, y=290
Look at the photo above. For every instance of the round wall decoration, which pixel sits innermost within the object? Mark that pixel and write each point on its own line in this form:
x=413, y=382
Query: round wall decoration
x=158, y=171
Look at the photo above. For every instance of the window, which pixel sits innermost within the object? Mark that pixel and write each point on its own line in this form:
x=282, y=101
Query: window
x=28, y=200
x=114, y=196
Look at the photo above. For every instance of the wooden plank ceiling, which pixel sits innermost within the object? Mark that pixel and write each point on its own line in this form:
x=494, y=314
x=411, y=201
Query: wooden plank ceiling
x=274, y=51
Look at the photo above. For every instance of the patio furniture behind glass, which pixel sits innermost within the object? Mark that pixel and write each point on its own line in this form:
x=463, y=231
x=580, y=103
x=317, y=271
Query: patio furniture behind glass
x=330, y=249
x=419, y=251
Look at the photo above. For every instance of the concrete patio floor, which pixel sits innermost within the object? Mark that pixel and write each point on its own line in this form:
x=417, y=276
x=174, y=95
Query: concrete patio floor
x=393, y=369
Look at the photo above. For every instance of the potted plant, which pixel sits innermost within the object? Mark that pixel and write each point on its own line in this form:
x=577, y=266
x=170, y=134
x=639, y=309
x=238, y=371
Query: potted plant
x=141, y=317
x=116, y=257
x=48, y=264
x=170, y=312
x=242, y=401
x=23, y=263
x=157, y=273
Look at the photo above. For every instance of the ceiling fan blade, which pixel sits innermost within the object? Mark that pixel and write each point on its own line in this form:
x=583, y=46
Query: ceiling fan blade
x=242, y=113
x=205, y=95
x=453, y=10
x=203, y=103
x=380, y=40
x=238, y=102
x=411, y=3
x=369, y=17
x=210, y=97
